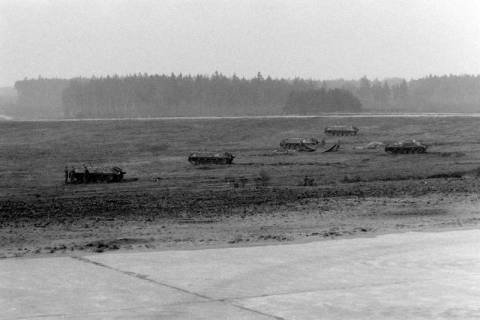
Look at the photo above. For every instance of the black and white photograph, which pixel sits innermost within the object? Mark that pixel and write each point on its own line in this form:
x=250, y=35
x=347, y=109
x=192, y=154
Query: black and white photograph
x=239, y=159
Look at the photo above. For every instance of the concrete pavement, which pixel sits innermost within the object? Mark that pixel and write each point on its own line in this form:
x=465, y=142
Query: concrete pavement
x=397, y=276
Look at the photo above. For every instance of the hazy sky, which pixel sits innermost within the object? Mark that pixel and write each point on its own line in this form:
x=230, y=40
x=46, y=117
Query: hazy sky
x=321, y=39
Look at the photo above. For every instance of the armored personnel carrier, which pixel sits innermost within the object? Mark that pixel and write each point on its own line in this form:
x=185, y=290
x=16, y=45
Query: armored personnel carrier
x=341, y=130
x=210, y=158
x=94, y=175
x=299, y=144
x=407, y=146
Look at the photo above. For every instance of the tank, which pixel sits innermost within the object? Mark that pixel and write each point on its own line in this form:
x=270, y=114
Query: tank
x=299, y=144
x=407, y=146
x=94, y=175
x=341, y=130
x=210, y=158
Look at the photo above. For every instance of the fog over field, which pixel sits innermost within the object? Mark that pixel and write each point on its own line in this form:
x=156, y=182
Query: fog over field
x=326, y=39
x=124, y=59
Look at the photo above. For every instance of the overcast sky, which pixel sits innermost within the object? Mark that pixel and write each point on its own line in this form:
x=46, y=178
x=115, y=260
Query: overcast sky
x=321, y=39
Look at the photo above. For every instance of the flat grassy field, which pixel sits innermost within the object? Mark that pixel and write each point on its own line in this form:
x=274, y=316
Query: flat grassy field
x=166, y=202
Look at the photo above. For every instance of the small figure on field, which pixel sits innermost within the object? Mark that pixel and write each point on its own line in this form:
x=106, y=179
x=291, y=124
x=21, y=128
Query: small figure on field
x=86, y=174
x=66, y=174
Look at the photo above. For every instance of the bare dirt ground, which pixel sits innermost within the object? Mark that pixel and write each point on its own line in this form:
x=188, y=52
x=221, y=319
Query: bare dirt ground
x=168, y=203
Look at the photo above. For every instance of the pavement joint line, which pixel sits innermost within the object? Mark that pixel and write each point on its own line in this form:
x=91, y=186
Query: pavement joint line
x=38, y=316
x=146, y=278
x=327, y=289
x=140, y=276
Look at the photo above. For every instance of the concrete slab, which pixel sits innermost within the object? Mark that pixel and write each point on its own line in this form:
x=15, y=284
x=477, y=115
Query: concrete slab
x=194, y=311
x=50, y=287
x=424, y=299
x=257, y=271
x=398, y=276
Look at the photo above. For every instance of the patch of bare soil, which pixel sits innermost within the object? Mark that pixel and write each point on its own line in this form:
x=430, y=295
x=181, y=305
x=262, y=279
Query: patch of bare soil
x=154, y=220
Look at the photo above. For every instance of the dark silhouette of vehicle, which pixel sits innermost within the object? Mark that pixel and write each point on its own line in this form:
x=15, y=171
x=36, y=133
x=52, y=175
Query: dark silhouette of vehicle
x=341, y=130
x=299, y=144
x=333, y=148
x=210, y=158
x=407, y=146
x=95, y=175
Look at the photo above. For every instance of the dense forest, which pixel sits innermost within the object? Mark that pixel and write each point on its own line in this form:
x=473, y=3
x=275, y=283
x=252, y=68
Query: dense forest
x=177, y=95
x=430, y=94
x=448, y=93
x=143, y=95
x=315, y=101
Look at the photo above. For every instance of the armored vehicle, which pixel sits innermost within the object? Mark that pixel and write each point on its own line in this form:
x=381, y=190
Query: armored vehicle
x=299, y=144
x=210, y=158
x=407, y=146
x=94, y=175
x=341, y=130
x=333, y=148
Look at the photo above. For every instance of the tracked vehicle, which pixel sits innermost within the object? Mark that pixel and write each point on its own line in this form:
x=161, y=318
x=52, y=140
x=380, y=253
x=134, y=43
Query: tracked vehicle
x=197, y=158
x=407, y=146
x=94, y=175
x=341, y=130
x=299, y=144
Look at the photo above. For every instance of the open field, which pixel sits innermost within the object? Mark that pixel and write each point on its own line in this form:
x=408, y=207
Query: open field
x=168, y=203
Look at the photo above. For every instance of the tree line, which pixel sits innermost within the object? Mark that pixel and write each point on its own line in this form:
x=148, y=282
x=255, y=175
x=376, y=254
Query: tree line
x=143, y=95
x=177, y=95
x=448, y=93
x=314, y=101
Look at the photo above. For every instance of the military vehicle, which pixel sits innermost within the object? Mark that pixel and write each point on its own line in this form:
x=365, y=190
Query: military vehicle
x=333, y=148
x=210, y=158
x=94, y=175
x=407, y=146
x=299, y=144
x=341, y=130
